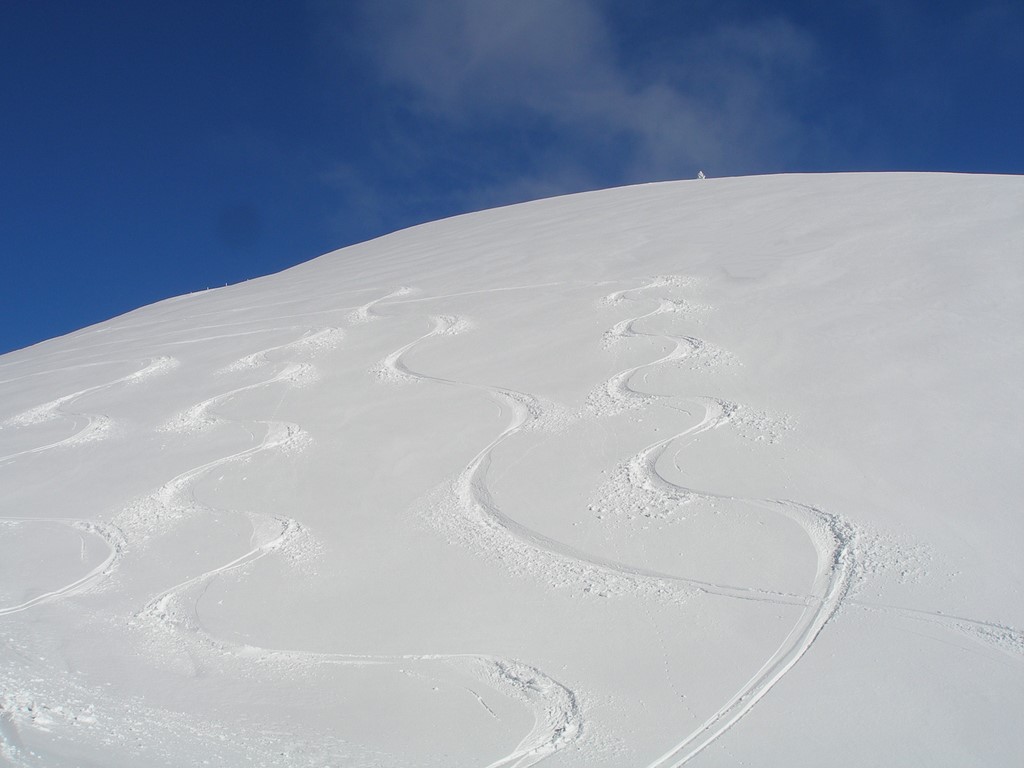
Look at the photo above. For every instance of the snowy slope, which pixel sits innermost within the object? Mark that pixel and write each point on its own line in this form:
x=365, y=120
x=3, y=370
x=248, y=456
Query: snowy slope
x=714, y=472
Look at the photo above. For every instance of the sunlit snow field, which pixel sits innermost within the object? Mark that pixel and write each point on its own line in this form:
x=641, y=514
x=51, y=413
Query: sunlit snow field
x=713, y=473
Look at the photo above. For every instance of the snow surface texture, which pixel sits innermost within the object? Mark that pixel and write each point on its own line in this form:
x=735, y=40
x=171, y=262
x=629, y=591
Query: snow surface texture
x=700, y=473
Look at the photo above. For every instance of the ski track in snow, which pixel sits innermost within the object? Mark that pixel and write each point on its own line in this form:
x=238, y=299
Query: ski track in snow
x=97, y=426
x=559, y=718
x=365, y=313
x=557, y=713
x=323, y=339
x=108, y=533
x=199, y=416
x=835, y=562
x=174, y=499
x=834, y=539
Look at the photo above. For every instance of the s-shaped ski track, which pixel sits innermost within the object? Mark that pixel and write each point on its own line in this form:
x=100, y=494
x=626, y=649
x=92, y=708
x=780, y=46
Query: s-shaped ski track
x=830, y=536
x=557, y=714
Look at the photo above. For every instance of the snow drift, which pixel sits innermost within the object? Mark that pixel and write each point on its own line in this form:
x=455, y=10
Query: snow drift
x=714, y=472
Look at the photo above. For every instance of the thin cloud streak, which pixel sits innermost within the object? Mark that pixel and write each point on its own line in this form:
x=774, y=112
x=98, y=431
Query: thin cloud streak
x=546, y=73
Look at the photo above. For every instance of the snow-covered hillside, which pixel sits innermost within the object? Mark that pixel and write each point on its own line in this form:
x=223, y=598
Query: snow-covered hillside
x=715, y=473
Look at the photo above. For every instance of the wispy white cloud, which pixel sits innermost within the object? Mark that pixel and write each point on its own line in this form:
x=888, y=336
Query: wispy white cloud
x=717, y=100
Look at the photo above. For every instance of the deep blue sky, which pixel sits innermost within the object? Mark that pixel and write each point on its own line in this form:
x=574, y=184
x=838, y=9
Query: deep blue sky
x=149, y=149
